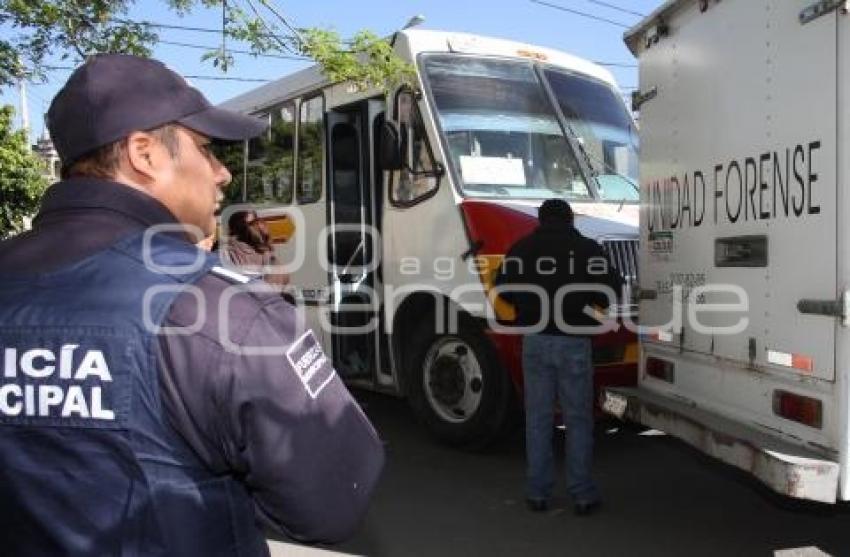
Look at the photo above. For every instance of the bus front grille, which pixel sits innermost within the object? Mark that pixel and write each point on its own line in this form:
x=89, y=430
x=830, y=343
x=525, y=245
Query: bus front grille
x=623, y=254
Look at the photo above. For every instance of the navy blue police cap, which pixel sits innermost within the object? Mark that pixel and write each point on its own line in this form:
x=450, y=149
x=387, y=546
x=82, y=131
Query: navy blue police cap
x=113, y=95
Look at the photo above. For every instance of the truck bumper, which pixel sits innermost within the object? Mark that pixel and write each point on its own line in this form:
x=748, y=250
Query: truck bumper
x=786, y=468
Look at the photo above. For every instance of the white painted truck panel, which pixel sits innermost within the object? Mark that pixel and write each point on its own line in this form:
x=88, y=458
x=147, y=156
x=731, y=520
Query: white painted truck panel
x=740, y=141
x=743, y=146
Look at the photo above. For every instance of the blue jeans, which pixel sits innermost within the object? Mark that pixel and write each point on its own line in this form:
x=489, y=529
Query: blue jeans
x=563, y=365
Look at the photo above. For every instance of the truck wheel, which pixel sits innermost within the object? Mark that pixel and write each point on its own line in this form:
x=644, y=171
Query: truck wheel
x=457, y=387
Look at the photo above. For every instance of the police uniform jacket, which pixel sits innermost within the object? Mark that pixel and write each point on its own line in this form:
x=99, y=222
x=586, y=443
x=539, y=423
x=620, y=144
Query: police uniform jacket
x=231, y=405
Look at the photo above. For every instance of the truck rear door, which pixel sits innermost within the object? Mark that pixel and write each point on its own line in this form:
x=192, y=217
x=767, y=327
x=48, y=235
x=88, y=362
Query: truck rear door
x=748, y=197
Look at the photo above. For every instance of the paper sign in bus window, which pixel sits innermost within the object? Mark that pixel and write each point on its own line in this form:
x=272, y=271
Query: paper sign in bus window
x=496, y=171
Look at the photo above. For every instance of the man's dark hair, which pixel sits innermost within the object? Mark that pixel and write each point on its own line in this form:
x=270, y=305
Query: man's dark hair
x=103, y=162
x=554, y=211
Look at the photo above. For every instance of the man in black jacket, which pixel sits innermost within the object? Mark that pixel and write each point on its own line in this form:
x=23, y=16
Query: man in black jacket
x=554, y=277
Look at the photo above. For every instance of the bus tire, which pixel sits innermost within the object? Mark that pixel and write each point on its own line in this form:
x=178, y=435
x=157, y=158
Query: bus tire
x=457, y=387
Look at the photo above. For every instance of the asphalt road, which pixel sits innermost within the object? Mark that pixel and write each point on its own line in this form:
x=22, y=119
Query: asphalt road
x=661, y=498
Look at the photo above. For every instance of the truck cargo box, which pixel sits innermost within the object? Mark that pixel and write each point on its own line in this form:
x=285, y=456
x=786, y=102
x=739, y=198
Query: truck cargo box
x=744, y=245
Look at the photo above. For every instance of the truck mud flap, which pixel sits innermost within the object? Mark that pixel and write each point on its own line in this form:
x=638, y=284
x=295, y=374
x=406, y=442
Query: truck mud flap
x=786, y=468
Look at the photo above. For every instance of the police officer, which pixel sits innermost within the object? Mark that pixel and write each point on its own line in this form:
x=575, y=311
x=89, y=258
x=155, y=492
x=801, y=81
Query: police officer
x=152, y=402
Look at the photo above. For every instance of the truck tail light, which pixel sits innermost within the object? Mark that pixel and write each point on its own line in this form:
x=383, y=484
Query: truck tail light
x=661, y=369
x=802, y=409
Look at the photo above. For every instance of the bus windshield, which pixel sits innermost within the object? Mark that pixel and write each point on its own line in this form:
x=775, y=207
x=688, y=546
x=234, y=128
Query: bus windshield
x=602, y=126
x=504, y=137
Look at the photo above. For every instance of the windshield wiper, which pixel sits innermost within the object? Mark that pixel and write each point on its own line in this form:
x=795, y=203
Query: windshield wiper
x=590, y=159
x=612, y=171
x=605, y=166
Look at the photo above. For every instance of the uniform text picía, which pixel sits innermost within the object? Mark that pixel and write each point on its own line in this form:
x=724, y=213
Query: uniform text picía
x=45, y=383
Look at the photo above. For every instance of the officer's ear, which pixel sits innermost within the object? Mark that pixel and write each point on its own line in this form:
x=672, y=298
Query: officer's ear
x=144, y=155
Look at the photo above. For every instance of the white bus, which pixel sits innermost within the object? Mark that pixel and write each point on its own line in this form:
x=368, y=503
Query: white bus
x=744, y=247
x=422, y=191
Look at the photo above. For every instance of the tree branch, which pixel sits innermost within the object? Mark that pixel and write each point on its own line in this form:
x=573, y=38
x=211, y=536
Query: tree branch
x=295, y=31
x=268, y=28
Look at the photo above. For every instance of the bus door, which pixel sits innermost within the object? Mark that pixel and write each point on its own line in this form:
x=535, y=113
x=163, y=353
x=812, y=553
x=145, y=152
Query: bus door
x=353, y=246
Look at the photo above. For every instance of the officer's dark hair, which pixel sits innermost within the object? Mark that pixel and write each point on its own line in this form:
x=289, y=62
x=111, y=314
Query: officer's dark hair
x=554, y=211
x=103, y=162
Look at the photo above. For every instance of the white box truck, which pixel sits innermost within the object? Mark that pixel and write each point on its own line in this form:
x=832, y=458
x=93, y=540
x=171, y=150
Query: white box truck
x=745, y=247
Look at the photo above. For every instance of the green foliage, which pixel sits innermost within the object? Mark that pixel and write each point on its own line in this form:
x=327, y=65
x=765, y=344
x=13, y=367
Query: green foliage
x=21, y=180
x=369, y=61
x=231, y=156
x=51, y=30
x=74, y=29
x=271, y=180
x=67, y=29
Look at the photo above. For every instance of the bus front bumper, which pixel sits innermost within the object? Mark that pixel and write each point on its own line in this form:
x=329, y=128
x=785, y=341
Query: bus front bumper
x=787, y=468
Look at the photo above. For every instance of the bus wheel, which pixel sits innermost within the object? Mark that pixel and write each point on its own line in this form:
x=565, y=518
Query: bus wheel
x=458, y=388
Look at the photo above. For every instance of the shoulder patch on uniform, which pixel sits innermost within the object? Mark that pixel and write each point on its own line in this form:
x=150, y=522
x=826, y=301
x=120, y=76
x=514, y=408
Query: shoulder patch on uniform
x=309, y=362
x=232, y=276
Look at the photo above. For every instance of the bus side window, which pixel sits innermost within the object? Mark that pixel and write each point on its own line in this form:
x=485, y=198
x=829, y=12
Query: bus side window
x=232, y=156
x=270, y=159
x=418, y=179
x=257, y=148
x=310, y=142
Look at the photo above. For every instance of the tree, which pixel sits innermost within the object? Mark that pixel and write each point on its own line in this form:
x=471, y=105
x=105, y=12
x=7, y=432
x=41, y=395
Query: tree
x=21, y=179
x=77, y=28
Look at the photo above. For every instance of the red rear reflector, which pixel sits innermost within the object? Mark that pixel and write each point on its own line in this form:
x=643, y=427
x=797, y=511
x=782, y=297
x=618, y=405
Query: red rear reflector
x=796, y=361
x=798, y=408
x=802, y=363
x=661, y=369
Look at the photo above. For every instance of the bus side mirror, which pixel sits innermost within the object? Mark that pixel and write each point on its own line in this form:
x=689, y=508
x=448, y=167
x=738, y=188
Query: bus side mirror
x=390, y=147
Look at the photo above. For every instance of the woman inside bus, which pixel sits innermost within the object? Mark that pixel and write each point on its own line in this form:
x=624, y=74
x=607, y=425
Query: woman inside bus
x=249, y=247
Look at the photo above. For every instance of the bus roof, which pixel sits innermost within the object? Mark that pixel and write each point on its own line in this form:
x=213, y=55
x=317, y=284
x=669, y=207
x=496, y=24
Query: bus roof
x=302, y=81
x=410, y=43
x=421, y=40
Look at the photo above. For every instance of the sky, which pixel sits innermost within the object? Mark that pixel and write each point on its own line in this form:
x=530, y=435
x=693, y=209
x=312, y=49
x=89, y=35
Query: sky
x=532, y=21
